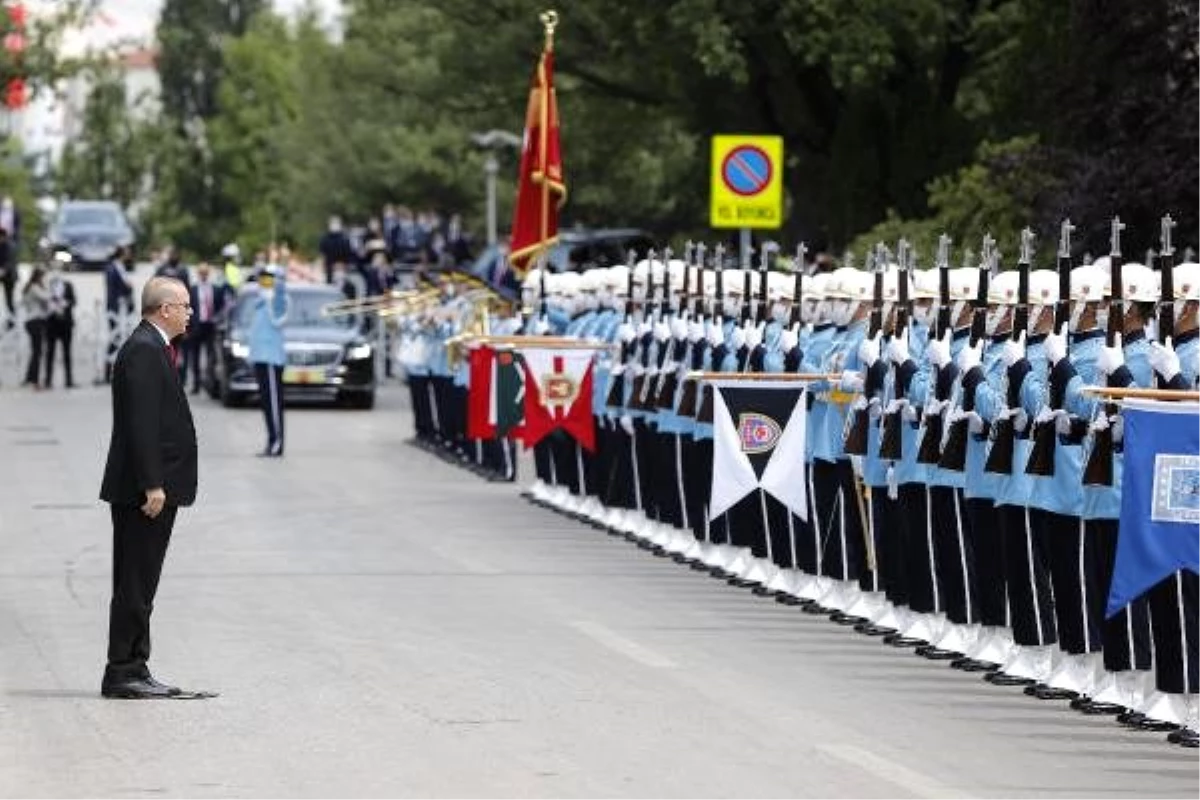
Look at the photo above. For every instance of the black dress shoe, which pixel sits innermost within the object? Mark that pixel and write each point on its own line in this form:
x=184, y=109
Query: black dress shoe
x=1130, y=717
x=842, y=618
x=791, y=600
x=137, y=689
x=816, y=608
x=867, y=629
x=1156, y=725
x=1184, y=736
x=1052, y=693
x=904, y=641
x=940, y=654
x=1001, y=679
x=1095, y=708
x=155, y=682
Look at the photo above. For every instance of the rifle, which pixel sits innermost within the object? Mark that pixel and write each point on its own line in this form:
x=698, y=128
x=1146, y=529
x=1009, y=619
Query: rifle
x=795, y=317
x=1045, y=435
x=930, y=450
x=646, y=400
x=1166, y=271
x=747, y=292
x=705, y=413
x=616, y=388
x=954, y=452
x=687, y=402
x=642, y=352
x=890, y=437
x=1004, y=432
x=855, y=441
x=764, y=258
x=1098, y=471
x=668, y=380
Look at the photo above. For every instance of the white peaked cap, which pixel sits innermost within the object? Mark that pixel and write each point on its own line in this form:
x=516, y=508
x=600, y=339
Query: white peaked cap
x=964, y=283
x=1003, y=289
x=1043, y=287
x=1089, y=283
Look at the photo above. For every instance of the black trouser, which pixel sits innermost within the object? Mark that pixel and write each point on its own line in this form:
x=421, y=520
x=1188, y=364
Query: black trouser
x=925, y=592
x=954, y=554
x=986, y=540
x=697, y=480
x=270, y=397
x=9, y=282
x=418, y=385
x=1027, y=575
x=618, y=491
x=647, y=458
x=891, y=555
x=59, y=330
x=1173, y=623
x=1075, y=578
x=839, y=522
x=1126, y=635
x=139, y=547
x=201, y=341
x=36, y=328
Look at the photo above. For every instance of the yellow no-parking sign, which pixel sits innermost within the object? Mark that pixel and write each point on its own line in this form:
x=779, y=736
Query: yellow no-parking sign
x=747, y=181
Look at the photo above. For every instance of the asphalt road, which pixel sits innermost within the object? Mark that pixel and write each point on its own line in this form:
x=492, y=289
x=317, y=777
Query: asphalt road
x=381, y=624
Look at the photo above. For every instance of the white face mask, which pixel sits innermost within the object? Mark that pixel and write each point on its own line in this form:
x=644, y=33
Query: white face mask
x=1102, y=318
x=816, y=312
x=994, y=317
x=779, y=311
x=922, y=315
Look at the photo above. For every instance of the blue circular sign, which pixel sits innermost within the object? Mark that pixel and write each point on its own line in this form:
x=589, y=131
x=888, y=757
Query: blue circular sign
x=746, y=170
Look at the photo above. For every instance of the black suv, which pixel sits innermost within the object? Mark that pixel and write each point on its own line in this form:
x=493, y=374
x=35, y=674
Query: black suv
x=328, y=357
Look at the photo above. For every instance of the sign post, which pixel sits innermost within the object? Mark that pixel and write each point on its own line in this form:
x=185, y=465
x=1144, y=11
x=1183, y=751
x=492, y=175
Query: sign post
x=746, y=184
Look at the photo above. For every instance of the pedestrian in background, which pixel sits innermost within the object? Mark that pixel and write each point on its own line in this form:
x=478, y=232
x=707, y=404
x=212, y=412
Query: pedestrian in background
x=149, y=475
x=60, y=324
x=207, y=302
x=267, y=352
x=118, y=302
x=35, y=305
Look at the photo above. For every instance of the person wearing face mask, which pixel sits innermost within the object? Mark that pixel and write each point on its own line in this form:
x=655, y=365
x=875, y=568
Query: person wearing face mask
x=1173, y=601
x=1114, y=681
x=335, y=249
x=267, y=352
x=60, y=324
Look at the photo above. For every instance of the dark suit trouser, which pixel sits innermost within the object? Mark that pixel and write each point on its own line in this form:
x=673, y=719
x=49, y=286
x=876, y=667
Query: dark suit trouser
x=891, y=555
x=36, y=328
x=270, y=397
x=139, y=547
x=1027, y=575
x=59, y=331
x=1126, y=635
x=201, y=341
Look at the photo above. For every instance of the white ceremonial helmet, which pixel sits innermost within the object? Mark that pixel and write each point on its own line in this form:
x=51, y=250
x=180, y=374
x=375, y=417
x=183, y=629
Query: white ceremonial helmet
x=1089, y=283
x=1139, y=283
x=1003, y=289
x=675, y=270
x=617, y=277
x=1187, y=281
x=589, y=280
x=568, y=284
x=925, y=284
x=815, y=286
x=964, y=284
x=734, y=281
x=1043, y=287
x=657, y=271
x=837, y=287
x=859, y=286
x=780, y=285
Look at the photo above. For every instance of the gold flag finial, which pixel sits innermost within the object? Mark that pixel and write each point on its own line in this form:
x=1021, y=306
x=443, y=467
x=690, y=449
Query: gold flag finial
x=549, y=22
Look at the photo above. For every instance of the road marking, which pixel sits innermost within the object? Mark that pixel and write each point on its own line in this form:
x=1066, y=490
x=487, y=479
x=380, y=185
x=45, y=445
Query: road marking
x=897, y=774
x=619, y=644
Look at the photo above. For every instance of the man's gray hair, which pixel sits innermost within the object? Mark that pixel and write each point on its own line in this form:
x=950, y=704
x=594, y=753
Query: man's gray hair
x=158, y=291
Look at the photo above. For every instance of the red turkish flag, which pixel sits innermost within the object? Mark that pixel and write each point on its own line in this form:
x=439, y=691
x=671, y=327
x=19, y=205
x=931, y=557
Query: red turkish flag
x=541, y=190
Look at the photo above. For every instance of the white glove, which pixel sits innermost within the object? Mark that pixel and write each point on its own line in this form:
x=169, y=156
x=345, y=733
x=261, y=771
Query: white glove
x=754, y=334
x=808, y=329
x=974, y=422
x=935, y=407
x=1056, y=345
x=1111, y=358
x=893, y=406
x=874, y=408
x=852, y=380
x=627, y=423
x=738, y=338
x=909, y=414
x=1018, y=416
x=626, y=333
x=868, y=350
x=938, y=350
x=1012, y=352
x=679, y=327
x=541, y=327
x=970, y=356
x=1118, y=426
x=643, y=328
x=1099, y=424
x=1164, y=360
x=662, y=331
x=1059, y=416
x=695, y=330
x=897, y=349
x=789, y=338
x=716, y=334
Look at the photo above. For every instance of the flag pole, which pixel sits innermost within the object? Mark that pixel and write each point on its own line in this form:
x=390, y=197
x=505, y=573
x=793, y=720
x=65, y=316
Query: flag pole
x=549, y=20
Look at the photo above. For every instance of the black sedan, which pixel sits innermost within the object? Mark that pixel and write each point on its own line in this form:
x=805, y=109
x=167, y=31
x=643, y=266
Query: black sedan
x=87, y=233
x=328, y=357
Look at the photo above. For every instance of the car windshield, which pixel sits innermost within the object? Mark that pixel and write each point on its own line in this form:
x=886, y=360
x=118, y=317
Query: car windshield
x=304, y=310
x=90, y=216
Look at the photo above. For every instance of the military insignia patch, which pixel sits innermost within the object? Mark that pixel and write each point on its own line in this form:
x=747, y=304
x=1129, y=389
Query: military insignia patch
x=561, y=390
x=1176, y=488
x=757, y=432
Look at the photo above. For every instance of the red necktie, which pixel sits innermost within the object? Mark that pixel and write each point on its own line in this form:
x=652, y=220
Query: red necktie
x=173, y=354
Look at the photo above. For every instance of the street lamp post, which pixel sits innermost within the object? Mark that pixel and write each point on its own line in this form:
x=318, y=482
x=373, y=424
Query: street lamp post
x=492, y=141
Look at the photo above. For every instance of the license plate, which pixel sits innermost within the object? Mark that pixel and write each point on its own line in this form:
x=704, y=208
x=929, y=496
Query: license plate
x=303, y=375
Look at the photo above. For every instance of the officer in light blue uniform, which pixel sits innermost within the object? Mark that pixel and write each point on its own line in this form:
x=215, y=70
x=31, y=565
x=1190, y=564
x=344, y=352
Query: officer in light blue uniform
x=267, y=352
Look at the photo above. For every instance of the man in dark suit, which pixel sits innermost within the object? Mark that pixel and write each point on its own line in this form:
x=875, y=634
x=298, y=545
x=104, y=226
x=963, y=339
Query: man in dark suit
x=151, y=472
x=60, y=325
x=208, y=299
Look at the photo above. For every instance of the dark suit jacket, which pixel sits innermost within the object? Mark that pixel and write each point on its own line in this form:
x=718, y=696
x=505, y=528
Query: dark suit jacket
x=218, y=302
x=153, y=438
x=117, y=293
x=67, y=315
